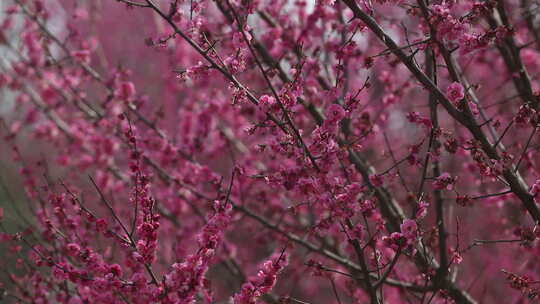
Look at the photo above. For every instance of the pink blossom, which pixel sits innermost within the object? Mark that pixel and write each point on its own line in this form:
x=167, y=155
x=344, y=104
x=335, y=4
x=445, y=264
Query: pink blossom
x=82, y=55
x=535, y=190
x=267, y=103
x=395, y=241
x=270, y=151
x=126, y=90
x=422, y=209
x=73, y=249
x=456, y=257
x=455, y=92
x=262, y=283
x=409, y=228
x=376, y=180
x=335, y=113
x=444, y=181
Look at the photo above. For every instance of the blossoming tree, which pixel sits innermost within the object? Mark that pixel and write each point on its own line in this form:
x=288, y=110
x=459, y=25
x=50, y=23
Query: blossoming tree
x=276, y=151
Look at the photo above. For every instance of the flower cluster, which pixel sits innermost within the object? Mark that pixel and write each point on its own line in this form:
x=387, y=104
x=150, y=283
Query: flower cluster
x=522, y=283
x=263, y=282
x=405, y=239
x=373, y=138
x=444, y=181
x=186, y=278
x=455, y=92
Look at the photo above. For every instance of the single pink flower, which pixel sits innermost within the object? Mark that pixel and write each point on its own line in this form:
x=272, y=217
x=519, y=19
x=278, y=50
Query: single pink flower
x=455, y=92
x=409, y=228
x=335, y=113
